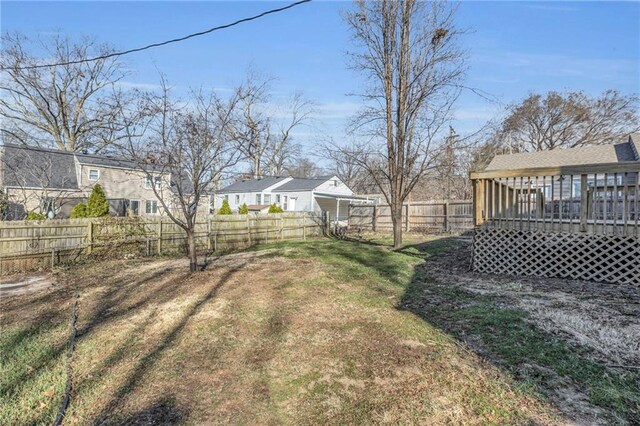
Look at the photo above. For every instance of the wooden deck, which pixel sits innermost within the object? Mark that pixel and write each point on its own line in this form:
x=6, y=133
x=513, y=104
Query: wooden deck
x=579, y=222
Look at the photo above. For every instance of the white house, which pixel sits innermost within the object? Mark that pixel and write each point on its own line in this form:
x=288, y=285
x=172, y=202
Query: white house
x=325, y=193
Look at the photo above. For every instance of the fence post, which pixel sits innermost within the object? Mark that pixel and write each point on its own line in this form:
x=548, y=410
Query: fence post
x=304, y=227
x=406, y=206
x=281, y=228
x=249, y=229
x=209, y=234
x=53, y=257
x=90, y=237
x=446, y=217
x=374, y=224
x=160, y=238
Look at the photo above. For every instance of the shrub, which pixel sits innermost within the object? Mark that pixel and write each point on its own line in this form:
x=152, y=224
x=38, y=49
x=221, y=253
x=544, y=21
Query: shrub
x=274, y=208
x=79, y=210
x=97, y=206
x=4, y=203
x=35, y=216
x=243, y=209
x=225, y=209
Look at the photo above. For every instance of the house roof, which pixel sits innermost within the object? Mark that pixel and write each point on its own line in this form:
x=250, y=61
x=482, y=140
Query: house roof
x=596, y=154
x=634, y=140
x=105, y=161
x=27, y=167
x=253, y=185
x=303, y=184
x=35, y=167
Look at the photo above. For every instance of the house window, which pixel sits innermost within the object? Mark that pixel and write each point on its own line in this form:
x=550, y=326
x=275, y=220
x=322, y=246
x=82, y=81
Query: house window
x=134, y=207
x=151, y=207
x=237, y=199
x=286, y=203
x=278, y=198
x=150, y=180
x=267, y=198
x=335, y=183
x=94, y=174
x=226, y=197
x=258, y=198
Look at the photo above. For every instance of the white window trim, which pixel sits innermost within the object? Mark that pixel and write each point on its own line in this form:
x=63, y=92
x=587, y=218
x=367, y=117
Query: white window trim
x=149, y=181
x=89, y=175
x=146, y=203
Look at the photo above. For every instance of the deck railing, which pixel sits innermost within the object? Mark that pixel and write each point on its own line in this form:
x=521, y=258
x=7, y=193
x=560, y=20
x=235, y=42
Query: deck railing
x=601, y=199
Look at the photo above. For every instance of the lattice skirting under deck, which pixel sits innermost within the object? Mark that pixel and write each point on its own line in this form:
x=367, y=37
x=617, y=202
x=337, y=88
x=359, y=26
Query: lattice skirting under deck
x=602, y=258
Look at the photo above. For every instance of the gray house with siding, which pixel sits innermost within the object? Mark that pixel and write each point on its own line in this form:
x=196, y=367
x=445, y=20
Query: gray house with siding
x=52, y=182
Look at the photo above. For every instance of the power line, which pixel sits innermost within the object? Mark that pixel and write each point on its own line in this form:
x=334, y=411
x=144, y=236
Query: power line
x=163, y=43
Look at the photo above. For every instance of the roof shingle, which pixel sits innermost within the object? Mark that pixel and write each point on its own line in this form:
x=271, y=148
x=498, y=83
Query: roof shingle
x=253, y=185
x=26, y=167
x=595, y=154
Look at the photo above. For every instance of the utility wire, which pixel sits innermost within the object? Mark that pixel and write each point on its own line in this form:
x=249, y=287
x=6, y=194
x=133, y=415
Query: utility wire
x=163, y=43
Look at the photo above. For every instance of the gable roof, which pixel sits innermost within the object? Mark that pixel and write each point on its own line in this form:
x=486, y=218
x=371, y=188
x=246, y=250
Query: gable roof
x=253, y=185
x=634, y=140
x=304, y=184
x=105, y=161
x=28, y=167
x=595, y=154
x=34, y=167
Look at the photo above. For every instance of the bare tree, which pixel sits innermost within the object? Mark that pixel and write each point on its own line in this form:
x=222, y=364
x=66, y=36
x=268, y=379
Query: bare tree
x=266, y=140
x=304, y=168
x=409, y=53
x=281, y=148
x=558, y=120
x=446, y=165
x=71, y=106
x=345, y=163
x=184, y=152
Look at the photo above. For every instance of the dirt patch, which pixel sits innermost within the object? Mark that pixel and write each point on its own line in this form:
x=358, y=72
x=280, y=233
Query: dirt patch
x=601, y=321
x=24, y=284
x=603, y=317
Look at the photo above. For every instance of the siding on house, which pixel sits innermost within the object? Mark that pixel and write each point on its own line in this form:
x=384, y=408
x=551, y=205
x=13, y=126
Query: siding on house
x=31, y=175
x=301, y=191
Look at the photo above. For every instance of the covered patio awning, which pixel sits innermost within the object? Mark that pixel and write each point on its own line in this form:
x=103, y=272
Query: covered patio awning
x=337, y=205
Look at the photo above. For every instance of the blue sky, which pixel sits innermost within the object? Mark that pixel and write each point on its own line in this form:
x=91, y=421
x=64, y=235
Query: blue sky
x=514, y=48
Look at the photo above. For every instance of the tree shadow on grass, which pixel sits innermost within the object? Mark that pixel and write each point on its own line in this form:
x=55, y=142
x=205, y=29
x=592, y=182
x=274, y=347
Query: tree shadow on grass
x=163, y=412
x=147, y=362
x=117, y=299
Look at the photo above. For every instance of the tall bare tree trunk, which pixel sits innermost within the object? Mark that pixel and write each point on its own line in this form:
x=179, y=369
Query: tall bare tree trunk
x=396, y=219
x=409, y=54
x=193, y=255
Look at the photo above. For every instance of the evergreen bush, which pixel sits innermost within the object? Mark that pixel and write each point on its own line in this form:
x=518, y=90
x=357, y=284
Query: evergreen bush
x=35, y=216
x=79, y=211
x=97, y=205
x=274, y=208
x=225, y=209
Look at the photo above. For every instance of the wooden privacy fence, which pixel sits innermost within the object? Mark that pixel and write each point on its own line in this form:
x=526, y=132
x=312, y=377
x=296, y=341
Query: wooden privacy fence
x=423, y=216
x=29, y=245
x=578, y=222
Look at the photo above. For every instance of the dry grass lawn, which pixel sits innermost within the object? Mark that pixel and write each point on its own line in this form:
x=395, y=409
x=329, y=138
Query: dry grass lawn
x=295, y=333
